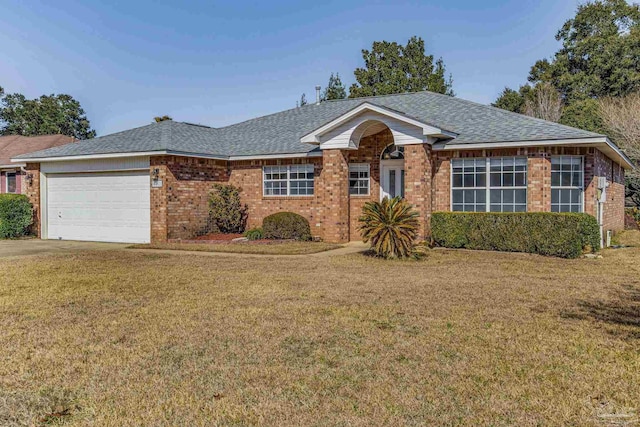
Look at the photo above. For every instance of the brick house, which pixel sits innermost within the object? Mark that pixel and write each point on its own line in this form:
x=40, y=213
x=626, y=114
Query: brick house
x=324, y=161
x=12, y=174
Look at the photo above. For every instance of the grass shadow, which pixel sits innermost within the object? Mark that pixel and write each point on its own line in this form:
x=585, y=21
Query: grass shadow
x=622, y=309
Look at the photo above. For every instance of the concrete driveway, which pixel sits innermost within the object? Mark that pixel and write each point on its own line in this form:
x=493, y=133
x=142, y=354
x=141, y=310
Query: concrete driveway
x=10, y=248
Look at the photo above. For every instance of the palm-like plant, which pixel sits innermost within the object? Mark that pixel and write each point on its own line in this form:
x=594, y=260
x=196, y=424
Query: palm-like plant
x=390, y=227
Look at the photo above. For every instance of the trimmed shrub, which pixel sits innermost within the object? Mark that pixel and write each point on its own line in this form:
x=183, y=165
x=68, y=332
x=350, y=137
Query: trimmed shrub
x=286, y=225
x=564, y=235
x=16, y=215
x=390, y=227
x=254, y=233
x=227, y=214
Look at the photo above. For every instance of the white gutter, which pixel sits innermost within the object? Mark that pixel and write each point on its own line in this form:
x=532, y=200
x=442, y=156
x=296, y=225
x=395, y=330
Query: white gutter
x=276, y=156
x=162, y=153
x=13, y=165
x=89, y=157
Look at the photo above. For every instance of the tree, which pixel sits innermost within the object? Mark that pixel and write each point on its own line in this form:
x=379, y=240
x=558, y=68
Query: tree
x=510, y=100
x=599, y=57
x=49, y=114
x=393, y=68
x=622, y=117
x=303, y=100
x=159, y=119
x=334, y=90
x=600, y=54
x=545, y=103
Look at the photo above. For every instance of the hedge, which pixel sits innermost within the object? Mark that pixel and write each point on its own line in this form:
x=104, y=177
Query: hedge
x=564, y=235
x=16, y=215
x=286, y=225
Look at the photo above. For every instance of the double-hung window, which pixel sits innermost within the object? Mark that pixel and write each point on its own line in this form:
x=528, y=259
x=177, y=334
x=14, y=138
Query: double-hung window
x=359, y=174
x=567, y=183
x=508, y=184
x=291, y=180
x=497, y=184
x=11, y=182
x=469, y=185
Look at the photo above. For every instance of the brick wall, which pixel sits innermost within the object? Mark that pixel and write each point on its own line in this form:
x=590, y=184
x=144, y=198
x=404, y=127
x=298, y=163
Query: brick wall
x=613, y=210
x=248, y=176
x=333, y=195
x=417, y=166
x=539, y=179
x=33, y=193
x=369, y=151
x=180, y=208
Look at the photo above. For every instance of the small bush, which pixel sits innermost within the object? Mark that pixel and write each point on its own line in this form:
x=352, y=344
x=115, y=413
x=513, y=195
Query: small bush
x=286, y=225
x=564, y=235
x=16, y=215
x=390, y=227
x=254, y=234
x=227, y=214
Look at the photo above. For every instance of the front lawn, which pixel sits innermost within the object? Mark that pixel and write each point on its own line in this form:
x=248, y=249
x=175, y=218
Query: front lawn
x=260, y=248
x=474, y=338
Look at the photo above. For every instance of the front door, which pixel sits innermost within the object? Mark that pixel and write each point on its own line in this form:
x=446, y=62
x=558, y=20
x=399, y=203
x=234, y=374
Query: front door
x=392, y=178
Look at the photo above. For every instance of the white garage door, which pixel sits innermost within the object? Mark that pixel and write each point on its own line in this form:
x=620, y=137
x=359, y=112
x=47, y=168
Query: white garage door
x=104, y=207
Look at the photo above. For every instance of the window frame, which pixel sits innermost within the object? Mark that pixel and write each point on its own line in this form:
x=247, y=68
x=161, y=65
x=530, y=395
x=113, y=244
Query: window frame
x=476, y=161
x=487, y=183
x=288, y=180
x=582, y=186
x=514, y=187
x=6, y=183
x=356, y=168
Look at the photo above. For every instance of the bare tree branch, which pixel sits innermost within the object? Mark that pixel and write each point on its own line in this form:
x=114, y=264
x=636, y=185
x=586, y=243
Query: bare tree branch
x=546, y=103
x=622, y=118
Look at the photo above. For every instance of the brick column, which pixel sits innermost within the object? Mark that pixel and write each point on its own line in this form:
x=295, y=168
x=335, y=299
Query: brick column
x=33, y=193
x=417, y=183
x=159, y=201
x=333, y=195
x=538, y=182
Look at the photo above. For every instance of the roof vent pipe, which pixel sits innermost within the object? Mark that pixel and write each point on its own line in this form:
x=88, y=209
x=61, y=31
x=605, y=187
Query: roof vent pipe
x=317, y=95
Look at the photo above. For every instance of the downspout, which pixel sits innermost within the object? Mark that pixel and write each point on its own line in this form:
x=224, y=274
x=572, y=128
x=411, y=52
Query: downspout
x=601, y=223
x=602, y=197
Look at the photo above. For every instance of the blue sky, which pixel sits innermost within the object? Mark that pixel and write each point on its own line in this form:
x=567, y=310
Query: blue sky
x=218, y=63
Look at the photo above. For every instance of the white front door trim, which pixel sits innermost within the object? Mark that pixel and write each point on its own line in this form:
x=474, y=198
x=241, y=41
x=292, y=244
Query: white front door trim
x=386, y=168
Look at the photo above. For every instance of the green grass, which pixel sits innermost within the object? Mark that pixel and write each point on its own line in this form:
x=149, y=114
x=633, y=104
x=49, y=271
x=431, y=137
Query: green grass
x=128, y=337
x=286, y=248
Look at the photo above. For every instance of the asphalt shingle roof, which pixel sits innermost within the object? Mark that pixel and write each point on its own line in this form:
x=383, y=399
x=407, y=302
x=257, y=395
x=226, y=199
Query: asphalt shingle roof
x=280, y=133
x=15, y=145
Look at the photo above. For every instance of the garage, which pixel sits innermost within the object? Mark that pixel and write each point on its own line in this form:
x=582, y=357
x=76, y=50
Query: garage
x=111, y=206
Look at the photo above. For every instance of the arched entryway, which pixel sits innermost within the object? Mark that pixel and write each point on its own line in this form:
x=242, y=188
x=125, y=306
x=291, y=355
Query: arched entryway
x=392, y=176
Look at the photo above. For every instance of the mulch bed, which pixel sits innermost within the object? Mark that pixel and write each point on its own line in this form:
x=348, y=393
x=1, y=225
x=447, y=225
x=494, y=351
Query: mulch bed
x=227, y=238
x=219, y=237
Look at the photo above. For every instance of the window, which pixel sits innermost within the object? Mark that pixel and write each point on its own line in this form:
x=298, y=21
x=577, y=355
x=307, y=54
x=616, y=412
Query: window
x=392, y=152
x=11, y=182
x=359, y=179
x=489, y=184
x=567, y=183
x=469, y=181
x=292, y=180
x=508, y=184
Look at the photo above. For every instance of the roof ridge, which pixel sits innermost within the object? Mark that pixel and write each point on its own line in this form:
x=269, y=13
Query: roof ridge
x=385, y=95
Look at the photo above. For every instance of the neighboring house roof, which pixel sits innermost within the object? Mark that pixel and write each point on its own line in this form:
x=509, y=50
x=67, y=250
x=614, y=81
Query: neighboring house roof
x=12, y=146
x=280, y=133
